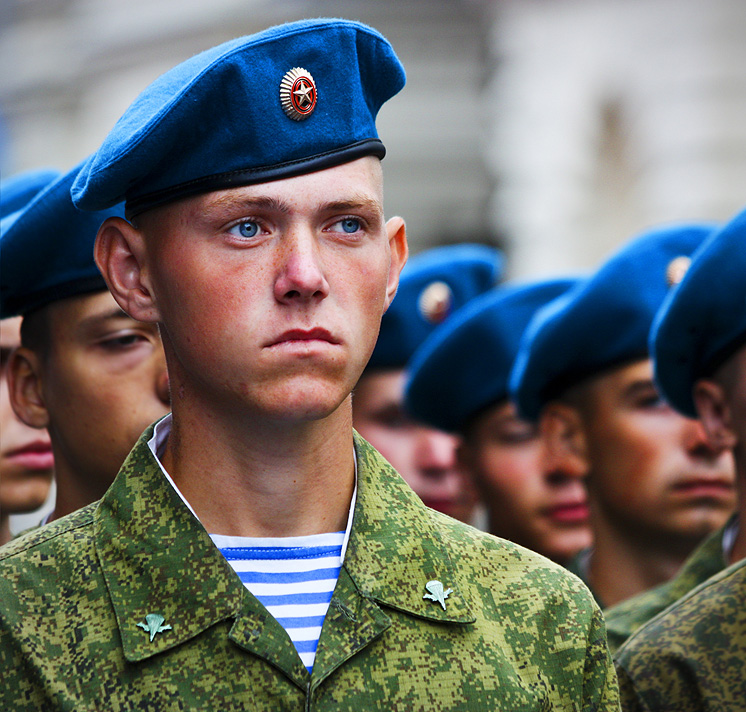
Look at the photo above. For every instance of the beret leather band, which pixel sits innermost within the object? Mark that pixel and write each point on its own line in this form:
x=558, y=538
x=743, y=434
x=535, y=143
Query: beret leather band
x=250, y=176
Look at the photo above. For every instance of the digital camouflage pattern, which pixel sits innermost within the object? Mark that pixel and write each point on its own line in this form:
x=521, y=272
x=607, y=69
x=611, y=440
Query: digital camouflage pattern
x=692, y=656
x=578, y=565
x=127, y=605
x=625, y=618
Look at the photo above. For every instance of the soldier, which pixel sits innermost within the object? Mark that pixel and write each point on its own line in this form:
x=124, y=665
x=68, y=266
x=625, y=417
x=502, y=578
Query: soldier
x=26, y=460
x=87, y=372
x=253, y=552
x=691, y=656
x=656, y=487
x=433, y=285
x=458, y=382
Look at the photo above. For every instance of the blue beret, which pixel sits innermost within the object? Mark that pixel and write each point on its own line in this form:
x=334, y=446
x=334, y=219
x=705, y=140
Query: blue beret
x=291, y=100
x=433, y=285
x=17, y=190
x=47, y=250
x=464, y=365
x=602, y=322
x=703, y=320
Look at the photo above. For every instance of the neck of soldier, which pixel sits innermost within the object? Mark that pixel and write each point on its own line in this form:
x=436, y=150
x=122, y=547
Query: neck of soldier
x=738, y=551
x=628, y=560
x=5, y=534
x=248, y=476
x=76, y=485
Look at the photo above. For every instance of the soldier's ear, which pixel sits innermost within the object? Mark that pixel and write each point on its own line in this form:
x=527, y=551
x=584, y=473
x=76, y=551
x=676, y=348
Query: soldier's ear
x=715, y=414
x=122, y=258
x=396, y=232
x=563, y=440
x=25, y=388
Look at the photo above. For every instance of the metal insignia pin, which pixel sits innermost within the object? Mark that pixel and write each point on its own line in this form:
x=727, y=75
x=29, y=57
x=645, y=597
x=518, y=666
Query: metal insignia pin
x=435, y=302
x=154, y=625
x=676, y=269
x=437, y=593
x=298, y=93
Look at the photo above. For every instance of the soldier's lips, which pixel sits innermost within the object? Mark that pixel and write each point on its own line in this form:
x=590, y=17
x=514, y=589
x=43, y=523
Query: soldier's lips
x=704, y=487
x=575, y=512
x=303, y=338
x=34, y=456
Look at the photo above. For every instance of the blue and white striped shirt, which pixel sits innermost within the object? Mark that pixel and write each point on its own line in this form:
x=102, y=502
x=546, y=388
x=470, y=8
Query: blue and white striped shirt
x=294, y=577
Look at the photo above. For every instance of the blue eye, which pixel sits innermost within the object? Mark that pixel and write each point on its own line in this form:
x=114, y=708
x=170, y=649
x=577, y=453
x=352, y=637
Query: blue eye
x=248, y=228
x=350, y=225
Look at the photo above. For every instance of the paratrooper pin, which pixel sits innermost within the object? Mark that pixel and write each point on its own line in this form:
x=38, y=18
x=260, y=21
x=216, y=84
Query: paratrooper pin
x=154, y=625
x=437, y=593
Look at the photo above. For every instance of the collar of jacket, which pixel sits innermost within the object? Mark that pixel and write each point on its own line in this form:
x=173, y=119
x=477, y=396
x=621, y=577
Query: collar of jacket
x=158, y=559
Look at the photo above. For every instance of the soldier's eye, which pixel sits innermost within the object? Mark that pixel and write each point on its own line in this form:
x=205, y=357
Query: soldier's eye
x=350, y=225
x=247, y=228
x=347, y=225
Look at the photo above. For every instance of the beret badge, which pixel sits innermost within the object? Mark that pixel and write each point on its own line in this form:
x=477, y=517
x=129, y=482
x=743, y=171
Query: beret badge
x=298, y=94
x=676, y=270
x=435, y=302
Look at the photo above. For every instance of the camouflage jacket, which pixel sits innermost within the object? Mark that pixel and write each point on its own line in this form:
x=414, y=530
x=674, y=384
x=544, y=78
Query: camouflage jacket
x=691, y=656
x=128, y=605
x=625, y=618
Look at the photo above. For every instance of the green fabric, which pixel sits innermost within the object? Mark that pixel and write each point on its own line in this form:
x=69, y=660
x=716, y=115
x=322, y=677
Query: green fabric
x=625, y=618
x=518, y=632
x=691, y=656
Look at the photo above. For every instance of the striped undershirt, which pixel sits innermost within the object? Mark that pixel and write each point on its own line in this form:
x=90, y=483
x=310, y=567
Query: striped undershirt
x=293, y=577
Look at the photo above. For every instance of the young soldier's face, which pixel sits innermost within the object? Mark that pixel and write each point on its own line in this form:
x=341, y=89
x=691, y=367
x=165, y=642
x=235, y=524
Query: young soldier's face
x=270, y=296
x=104, y=381
x=26, y=462
x=651, y=468
x=528, y=501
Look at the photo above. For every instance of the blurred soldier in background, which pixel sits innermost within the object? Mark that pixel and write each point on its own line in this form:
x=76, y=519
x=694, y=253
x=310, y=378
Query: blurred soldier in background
x=692, y=656
x=26, y=460
x=433, y=285
x=92, y=375
x=656, y=485
x=458, y=382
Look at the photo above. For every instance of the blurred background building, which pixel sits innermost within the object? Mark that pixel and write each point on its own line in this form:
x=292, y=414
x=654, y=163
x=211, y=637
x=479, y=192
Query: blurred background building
x=555, y=128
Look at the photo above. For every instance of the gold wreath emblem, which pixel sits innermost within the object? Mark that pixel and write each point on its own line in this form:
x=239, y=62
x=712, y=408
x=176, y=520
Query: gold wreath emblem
x=298, y=94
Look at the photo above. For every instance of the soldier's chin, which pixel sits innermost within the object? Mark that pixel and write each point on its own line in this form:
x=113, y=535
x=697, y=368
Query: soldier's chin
x=305, y=401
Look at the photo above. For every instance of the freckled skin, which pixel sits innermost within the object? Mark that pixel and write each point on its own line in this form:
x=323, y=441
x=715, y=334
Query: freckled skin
x=240, y=295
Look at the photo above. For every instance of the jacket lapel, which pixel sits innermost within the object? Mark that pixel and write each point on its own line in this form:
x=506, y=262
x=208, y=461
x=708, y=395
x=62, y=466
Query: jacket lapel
x=396, y=546
x=158, y=560
x=395, y=549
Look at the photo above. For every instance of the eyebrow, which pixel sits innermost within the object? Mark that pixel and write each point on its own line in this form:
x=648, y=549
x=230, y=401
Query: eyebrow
x=114, y=313
x=640, y=386
x=261, y=202
x=356, y=203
